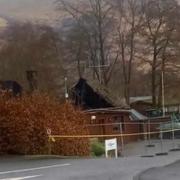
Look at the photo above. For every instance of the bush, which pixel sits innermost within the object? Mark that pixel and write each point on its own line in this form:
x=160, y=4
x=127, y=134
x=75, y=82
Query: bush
x=97, y=148
x=24, y=122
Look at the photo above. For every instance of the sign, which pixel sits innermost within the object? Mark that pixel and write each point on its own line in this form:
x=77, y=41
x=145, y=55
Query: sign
x=48, y=131
x=111, y=144
x=49, y=134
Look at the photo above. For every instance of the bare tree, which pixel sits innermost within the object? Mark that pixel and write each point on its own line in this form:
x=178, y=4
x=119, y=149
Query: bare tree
x=129, y=23
x=95, y=18
x=157, y=34
x=32, y=47
x=75, y=48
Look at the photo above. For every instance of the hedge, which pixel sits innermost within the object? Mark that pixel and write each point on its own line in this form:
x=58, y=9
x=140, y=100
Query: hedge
x=24, y=122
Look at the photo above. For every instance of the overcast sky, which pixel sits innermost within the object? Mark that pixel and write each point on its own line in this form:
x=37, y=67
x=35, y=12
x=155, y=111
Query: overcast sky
x=27, y=9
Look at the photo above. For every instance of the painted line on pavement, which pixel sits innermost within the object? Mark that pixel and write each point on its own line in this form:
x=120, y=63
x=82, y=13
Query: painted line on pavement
x=34, y=169
x=21, y=178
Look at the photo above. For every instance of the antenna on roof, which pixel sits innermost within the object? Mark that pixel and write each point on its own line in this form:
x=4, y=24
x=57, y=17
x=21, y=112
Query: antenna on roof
x=98, y=64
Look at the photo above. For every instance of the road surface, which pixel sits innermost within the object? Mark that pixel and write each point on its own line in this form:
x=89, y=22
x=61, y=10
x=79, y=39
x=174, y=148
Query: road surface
x=18, y=168
x=170, y=172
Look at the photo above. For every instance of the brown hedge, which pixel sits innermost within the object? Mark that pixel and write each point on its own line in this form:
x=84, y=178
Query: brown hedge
x=24, y=122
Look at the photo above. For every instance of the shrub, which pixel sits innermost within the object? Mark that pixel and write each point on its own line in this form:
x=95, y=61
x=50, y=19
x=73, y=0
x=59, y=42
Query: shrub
x=24, y=122
x=97, y=148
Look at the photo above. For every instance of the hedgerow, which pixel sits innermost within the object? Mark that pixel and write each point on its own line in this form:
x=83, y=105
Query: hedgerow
x=24, y=122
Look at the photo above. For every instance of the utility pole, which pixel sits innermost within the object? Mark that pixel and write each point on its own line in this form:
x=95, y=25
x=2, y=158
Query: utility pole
x=66, y=89
x=163, y=94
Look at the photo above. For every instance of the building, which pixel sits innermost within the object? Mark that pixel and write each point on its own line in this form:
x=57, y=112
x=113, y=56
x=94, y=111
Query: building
x=107, y=114
x=89, y=95
x=141, y=103
x=109, y=121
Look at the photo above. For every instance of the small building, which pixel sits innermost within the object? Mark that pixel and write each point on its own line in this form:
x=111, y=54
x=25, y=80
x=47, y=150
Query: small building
x=89, y=95
x=109, y=121
x=107, y=114
x=141, y=103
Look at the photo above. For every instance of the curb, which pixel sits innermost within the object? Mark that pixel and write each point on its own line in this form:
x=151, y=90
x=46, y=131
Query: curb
x=36, y=157
x=138, y=176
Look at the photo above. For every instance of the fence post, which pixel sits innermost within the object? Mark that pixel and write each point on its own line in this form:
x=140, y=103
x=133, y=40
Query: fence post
x=122, y=138
x=175, y=148
x=161, y=153
x=145, y=131
x=173, y=133
x=149, y=135
x=161, y=140
x=49, y=146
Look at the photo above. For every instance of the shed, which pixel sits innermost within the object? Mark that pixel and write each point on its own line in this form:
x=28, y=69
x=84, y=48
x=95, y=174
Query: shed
x=141, y=103
x=107, y=121
x=91, y=95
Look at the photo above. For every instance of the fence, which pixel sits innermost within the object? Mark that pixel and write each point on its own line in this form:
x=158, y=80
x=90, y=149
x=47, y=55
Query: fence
x=144, y=138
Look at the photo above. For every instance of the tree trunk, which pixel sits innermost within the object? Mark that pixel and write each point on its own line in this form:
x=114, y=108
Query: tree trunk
x=127, y=94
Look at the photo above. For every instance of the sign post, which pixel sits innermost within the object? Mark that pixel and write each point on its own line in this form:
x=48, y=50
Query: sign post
x=111, y=144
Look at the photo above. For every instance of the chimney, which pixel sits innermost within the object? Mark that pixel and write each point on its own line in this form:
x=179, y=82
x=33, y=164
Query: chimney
x=32, y=80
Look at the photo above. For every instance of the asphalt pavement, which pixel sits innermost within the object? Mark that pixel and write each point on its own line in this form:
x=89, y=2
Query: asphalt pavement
x=169, y=172
x=18, y=168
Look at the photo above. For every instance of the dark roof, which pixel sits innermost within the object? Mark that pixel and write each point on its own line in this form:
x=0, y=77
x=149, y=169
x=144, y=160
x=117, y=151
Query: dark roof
x=93, y=95
x=135, y=99
x=115, y=99
x=12, y=86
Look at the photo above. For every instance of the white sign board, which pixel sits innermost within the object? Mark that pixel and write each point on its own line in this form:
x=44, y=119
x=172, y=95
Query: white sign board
x=111, y=144
x=48, y=131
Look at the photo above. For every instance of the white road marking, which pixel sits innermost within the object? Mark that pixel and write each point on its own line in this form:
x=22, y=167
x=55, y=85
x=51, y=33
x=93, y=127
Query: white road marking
x=34, y=169
x=21, y=178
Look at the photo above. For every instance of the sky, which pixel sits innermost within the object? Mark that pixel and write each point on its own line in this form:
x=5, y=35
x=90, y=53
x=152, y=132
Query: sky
x=28, y=9
x=41, y=10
